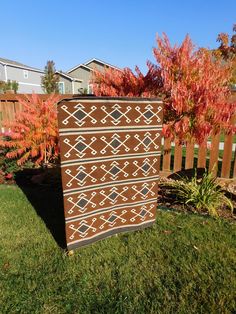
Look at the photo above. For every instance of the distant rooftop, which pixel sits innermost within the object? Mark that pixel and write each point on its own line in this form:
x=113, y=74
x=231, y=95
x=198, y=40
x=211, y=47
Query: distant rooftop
x=68, y=76
x=86, y=65
x=18, y=64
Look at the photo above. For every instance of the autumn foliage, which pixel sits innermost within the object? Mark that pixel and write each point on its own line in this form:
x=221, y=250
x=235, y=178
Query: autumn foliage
x=114, y=82
x=193, y=84
x=34, y=133
x=196, y=89
x=227, y=50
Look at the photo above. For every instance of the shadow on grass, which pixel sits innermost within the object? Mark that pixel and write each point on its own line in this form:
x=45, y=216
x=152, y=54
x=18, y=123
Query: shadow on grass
x=46, y=198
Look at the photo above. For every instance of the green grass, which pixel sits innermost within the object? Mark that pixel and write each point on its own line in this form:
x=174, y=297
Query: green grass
x=185, y=263
x=222, y=138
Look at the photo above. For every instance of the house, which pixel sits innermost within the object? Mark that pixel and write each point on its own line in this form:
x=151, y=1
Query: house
x=75, y=81
x=68, y=84
x=84, y=72
x=28, y=78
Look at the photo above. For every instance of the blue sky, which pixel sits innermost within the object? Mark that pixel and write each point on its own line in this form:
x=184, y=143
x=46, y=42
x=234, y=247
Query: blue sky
x=119, y=32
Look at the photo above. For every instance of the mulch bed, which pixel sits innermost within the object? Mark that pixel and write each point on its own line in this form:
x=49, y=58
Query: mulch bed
x=168, y=200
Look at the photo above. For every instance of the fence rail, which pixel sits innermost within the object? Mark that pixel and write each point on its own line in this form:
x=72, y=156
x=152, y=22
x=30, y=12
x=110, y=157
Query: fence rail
x=220, y=157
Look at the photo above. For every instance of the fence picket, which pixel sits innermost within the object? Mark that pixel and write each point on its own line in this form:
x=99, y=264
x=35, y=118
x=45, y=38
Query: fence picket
x=202, y=155
x=166, y=155
x=227, y=156
x=214, y=153
x=189, y=159
x=234, y=170
x=178, y=157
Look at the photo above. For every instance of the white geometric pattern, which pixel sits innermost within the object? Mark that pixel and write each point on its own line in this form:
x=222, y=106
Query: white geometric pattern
x=80, y=146
x=79, y=115
x=113, y=195
x=82, y=229
x=114, y=170
x=148, y=114
x=115, y=143
x=146, y=142
x=116, y=114
x=81, y=175
x=113, y=216
x=142, y=213
x=146, y=167
x=110, y=158
x=81, y=202
x=144, y=191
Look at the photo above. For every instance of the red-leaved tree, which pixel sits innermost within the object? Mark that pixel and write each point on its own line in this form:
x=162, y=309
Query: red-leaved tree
x=33, y=135
x=227, y=50
x=114, y=82
x=193, y=84
x=197, y=90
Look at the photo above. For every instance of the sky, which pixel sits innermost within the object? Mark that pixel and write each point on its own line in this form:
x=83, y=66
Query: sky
x=122, y=33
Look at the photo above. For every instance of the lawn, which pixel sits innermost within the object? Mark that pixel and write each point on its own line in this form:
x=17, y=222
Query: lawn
x=185, y=263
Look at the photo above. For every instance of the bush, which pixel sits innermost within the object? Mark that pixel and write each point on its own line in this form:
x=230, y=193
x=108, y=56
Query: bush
x=33, y=136
x=9, y=85
x=203, y=194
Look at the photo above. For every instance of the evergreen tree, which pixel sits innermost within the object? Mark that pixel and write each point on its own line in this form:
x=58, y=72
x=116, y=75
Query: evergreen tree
x=50, y=79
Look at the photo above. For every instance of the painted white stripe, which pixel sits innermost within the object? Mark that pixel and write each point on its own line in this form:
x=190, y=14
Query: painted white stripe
x=30, y=84
x=110, y=208
x=120, y=227
x=117, y=128
x=117, y=101
x=108, y=184
x=75, y=162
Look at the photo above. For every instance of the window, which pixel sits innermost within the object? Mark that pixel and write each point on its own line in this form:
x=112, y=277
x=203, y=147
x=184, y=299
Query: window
x=90, y=88
x=25, y=74
x=61, y=87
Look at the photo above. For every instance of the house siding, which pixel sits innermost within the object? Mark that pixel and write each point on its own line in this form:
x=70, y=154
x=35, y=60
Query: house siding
x=83, y=74
x=32, y=84
x=96, y=65
x=67, y=84
x=2, y=73
x=77, y=87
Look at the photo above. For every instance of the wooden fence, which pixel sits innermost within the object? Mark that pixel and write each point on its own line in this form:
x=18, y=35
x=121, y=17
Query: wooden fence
x=9, y=105
x=220, y=157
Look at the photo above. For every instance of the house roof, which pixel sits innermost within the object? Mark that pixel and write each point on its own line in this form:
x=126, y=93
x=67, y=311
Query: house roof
x=85, y=65
x=101, y=62
x=79, y=66
x=68, y=76
x=18, y=65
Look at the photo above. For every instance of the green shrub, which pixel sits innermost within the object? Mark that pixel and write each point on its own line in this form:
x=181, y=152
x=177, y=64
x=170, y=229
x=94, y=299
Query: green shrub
x=9, y=85
x=203, y=194
x=8, y=167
